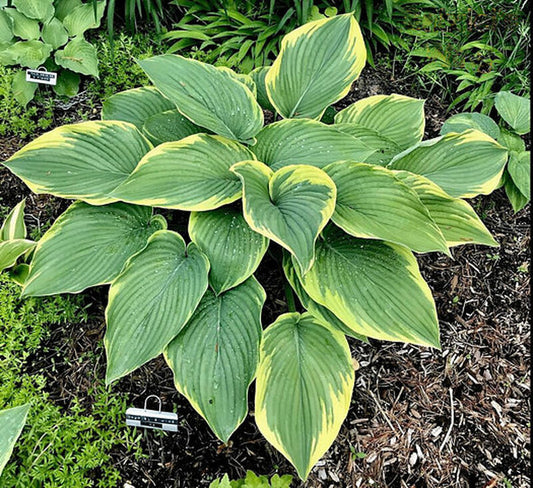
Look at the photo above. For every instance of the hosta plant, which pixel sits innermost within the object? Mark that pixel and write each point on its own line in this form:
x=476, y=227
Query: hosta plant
x=348, y=203
x=49, y=33
x=515, y=113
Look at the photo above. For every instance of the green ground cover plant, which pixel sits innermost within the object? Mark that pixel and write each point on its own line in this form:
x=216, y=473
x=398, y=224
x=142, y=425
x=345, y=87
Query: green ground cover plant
x=346, y=204
x=515, y=121
x=49, y=33
x=59, y=446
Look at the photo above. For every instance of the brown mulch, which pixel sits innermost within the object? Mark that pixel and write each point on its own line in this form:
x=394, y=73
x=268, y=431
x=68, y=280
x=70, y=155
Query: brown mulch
x=458, y=417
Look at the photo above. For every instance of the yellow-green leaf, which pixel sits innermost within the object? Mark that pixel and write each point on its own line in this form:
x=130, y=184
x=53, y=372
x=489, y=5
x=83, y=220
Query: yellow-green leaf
x=395, y=117
x=14, y=226
x=304, y=386
x=316, y=66
x=290, y=206
x=191, y=174
x=234, y=250
x=463, y=165
x=455, y=218
x=306, y=142
x=136, y=105
x=151, y=301
x=215, y=357
x=373, y=203
x=10, y=251
x=374, y=287
x=88, y=246
x=85, y=161
x=207, y=96
x=12, y=422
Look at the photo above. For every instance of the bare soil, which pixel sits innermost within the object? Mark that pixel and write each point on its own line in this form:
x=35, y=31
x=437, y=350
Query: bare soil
x=459, y=417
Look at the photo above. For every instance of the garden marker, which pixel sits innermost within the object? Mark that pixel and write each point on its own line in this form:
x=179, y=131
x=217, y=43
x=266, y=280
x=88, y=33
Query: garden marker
x=41, y=76
x=152, y=419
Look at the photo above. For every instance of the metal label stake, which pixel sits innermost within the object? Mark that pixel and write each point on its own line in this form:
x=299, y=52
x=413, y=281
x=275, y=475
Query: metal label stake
x=152, y=419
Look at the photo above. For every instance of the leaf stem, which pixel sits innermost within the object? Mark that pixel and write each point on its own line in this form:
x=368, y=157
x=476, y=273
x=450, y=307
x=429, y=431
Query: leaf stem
x=291, y=304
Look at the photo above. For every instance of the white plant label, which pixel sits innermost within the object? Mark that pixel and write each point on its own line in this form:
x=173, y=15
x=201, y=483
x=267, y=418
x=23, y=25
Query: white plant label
x=41, y=76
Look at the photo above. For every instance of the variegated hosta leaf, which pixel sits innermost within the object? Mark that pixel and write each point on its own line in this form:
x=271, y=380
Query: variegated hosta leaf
x=316, y=66
x=520, y=170
x=12, y=422
x=42, y=10
x=259, y=75
x=384, y=148
x=214, y=359
x=374, y=287
x=207, y=96
x=234, y=250
x=306, y=142
x=85, y=161
x=515, y=110
x=455, y=218
x=320, y=312
x=14, y=226
x=152, y=300
x=290, y=206
x=471, y=120
x=463, y=165
x=395, y=117
x=191, y=174
x=10, y=251
x=304, y=386
x=373, y=203
x=136, y=105
x=88, y=246
x=169, y=126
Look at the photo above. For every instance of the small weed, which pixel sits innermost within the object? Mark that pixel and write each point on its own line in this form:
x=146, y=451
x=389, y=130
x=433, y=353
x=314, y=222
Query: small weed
x=357, y=454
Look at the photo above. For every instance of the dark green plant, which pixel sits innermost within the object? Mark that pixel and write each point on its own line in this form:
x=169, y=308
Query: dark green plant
x=49, y=33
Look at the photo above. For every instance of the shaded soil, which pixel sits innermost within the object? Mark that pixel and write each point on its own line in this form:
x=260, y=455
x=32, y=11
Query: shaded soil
x=458, y=417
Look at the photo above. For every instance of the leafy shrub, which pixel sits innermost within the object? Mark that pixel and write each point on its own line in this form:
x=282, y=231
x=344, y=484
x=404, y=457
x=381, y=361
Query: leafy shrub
x=32, y=30
x=348, y=203
x=515, y=113
x=253, y=481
